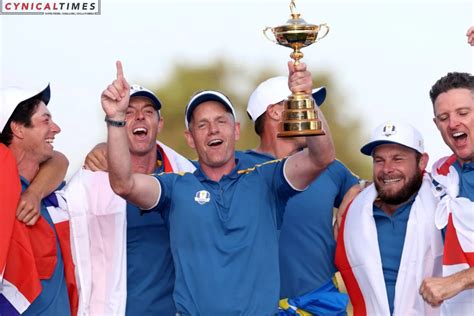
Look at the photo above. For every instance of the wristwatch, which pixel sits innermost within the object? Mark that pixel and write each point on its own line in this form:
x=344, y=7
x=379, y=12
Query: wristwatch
x=114, y=123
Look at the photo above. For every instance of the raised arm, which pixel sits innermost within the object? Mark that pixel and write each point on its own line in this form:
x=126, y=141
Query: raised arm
x=303, y=167
x=48, y=178
x=141, y=190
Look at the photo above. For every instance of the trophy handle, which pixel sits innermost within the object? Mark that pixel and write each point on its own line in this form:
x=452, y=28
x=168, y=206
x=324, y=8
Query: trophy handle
x=265, y=33
x=326, y=33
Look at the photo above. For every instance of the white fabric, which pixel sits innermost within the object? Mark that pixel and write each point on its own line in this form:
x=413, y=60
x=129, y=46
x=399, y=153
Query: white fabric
x=421, y=255
x=14, y=296
x=178, y=162
x=98, y=233
x=462, y=210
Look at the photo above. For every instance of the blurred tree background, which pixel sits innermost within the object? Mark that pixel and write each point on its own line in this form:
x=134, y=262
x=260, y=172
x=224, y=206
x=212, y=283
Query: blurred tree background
x=238, y=83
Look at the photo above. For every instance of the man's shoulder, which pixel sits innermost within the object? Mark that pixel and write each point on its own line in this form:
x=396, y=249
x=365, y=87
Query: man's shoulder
x=259, y=166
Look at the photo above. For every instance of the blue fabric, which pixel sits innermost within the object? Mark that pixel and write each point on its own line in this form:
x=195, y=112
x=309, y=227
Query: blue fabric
x=53, y=299
x=466, y=179
x=325, y=300
x=224, y=239
x=391, y=231
x=150, y=271
x=307, y=244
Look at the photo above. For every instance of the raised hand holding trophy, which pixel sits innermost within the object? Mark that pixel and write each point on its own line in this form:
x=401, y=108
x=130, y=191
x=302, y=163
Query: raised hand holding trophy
x=299, y=116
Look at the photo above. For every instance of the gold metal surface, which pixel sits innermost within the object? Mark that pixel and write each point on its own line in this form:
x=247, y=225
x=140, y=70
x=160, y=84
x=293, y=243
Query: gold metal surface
x=299, y=116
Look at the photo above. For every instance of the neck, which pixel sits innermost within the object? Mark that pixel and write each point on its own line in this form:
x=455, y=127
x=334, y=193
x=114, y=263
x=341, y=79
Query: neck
x=27, y=166
x=145, y=164
x=276, y=146
x=388, y=208
x=216, y=173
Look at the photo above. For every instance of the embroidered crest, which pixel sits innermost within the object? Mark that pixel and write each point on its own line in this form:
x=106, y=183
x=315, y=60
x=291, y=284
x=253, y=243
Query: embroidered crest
x=389, y=129
x=202, y=197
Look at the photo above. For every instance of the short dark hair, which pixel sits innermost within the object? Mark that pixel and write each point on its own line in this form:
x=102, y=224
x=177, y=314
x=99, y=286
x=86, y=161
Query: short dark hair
x=453, y=80
x=259, y=124
x=22, y=115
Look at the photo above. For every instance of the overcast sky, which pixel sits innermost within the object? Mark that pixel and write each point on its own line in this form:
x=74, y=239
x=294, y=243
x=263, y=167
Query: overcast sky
x=385, y=54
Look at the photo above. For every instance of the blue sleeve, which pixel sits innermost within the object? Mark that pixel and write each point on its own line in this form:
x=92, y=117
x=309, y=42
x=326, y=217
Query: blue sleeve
x=343, y=178
x=166, y=184
x=272, y=173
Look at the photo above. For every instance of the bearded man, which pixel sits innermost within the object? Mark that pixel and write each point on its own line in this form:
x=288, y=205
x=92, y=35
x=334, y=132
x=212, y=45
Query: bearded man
x=388, y=242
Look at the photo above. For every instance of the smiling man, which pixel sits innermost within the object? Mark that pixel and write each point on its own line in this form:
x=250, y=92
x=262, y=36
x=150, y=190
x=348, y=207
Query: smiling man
x=453, y=104
x=130, y=248
x=388, y=242
x=42, y=250
x=222, y=218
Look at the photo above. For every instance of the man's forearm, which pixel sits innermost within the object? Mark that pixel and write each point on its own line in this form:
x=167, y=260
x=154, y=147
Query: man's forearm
x=118, y=159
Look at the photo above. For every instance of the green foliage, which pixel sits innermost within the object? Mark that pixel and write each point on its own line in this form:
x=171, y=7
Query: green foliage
x=238, y=83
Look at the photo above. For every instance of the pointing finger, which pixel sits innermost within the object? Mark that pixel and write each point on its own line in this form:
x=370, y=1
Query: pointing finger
x=119, y=69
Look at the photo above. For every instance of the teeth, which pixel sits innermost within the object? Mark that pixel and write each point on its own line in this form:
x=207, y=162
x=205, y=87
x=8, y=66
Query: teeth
x=214, y=142
x=457, y=134
x=49, y=140
x=391, y=180
x=140, y=129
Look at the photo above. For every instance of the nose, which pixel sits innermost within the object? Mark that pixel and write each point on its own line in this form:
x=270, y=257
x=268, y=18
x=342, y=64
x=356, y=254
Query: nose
x=55, y=128
x=453, y=122
x=139, y=116
x=213, y=128
x=388, y=167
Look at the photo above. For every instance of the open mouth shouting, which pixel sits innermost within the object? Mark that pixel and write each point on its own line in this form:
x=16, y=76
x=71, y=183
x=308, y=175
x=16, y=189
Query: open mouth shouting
x=140, y=132
x=215, y=143
x=459, y=138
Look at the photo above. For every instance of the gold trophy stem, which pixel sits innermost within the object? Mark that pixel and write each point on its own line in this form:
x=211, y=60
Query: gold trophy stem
x=299, y=117
x=296, y=55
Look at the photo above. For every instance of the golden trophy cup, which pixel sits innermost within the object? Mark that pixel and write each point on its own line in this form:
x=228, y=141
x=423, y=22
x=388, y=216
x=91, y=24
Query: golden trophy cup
x=299, y=117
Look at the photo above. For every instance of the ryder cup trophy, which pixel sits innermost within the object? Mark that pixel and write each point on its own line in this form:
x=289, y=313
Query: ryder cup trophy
x=299, y=117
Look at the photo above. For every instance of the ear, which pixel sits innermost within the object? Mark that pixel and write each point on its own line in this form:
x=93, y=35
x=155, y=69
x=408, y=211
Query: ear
x=436, y=123
x=161, y=123
x=275, y=111
x=189, y=139
x=18, y=130
x=237, y=130
x=423, y=161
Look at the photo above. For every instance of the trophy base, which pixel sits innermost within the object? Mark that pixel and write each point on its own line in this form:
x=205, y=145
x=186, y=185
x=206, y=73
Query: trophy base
x=300, y=118
x=301, y=133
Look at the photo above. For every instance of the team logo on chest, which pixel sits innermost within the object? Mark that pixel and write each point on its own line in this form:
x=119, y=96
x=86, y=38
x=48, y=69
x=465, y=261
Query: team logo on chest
x=202, y=197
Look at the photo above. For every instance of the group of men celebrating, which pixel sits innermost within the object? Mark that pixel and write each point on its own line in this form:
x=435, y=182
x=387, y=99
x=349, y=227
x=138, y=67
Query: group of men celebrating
x=235, y=232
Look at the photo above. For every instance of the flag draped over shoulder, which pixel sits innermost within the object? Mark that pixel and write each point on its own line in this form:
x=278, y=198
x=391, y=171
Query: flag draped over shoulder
x=98, y=227
x=27, y=254
x=457, y=215
x=358, y=256
x=19, y=280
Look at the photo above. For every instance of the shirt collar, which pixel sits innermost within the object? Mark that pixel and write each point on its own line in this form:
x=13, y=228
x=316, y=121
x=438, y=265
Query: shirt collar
x=199, y=173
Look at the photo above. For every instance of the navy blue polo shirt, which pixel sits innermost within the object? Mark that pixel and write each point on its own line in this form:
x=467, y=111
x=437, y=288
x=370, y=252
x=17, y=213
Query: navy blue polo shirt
x=223, y=238
x=150, y=270
x=391, y=231
x=466, y=179
x=53, y=299
x=307, y=245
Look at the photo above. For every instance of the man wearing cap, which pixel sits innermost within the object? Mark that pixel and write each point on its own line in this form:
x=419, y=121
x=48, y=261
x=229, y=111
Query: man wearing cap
x=132, y=267
x=452, y=97
x=222, y=217
x=41, y=252
x=387, y=243
x=306, y=243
